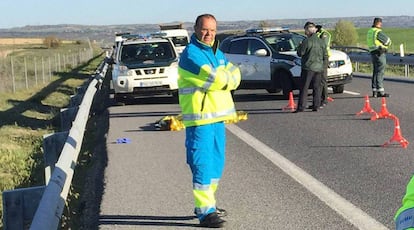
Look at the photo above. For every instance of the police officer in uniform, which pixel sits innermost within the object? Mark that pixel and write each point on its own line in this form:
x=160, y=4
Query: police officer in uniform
x=326, y=37
x=312, y=51
x=378, y=44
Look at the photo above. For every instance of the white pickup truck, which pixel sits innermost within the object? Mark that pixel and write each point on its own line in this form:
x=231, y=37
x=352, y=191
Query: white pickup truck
x=144, y=66
x=177, y=34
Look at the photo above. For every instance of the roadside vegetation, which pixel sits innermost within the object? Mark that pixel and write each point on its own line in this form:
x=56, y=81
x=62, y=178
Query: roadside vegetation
x=28, y=114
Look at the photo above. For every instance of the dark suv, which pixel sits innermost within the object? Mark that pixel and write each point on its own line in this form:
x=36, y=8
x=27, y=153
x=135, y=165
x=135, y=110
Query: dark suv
x=267, y=59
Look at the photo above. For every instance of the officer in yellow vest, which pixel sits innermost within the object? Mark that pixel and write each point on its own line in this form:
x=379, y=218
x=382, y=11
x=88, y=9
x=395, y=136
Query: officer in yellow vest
x=205, y=82
x=326, y=37
x=378, y=44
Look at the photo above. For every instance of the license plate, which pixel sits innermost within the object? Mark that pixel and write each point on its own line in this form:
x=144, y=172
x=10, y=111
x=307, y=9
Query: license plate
x=150, y=83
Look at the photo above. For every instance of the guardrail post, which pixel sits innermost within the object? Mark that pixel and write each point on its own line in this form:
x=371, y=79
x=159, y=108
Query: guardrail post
x=75, y=100
x=52, y=147
x=81, y=90
x=19, y=207
x=67, y=116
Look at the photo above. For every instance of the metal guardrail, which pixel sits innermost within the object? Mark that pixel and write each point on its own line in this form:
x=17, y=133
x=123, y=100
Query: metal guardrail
x=362, y=55
x=359, y=54
x=52, y=203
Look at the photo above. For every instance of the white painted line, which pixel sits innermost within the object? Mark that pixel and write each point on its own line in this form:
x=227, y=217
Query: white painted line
x=352, y=93
x=350, y=212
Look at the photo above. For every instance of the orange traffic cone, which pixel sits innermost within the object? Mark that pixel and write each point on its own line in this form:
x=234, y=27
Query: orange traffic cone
x=291, y=105
x=397, y=137
x=367, y=107
x=330, y=99
x=383, y=113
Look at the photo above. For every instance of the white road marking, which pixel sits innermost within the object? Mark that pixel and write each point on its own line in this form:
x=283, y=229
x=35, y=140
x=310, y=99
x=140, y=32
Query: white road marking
x=352, y=93
x=350, y=212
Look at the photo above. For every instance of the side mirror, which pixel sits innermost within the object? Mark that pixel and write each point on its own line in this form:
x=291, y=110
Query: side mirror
x=261, y=52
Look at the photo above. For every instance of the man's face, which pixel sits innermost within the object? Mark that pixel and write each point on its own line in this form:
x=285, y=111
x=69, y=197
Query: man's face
x=379, y=24
x=206, y=30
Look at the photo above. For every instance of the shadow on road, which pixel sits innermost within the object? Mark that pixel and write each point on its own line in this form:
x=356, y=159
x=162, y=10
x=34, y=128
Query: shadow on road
x=174, y=221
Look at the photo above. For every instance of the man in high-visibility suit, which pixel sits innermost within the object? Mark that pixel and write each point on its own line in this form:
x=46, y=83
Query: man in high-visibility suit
x=326, y=37
x=378, y=44
x=404, y=218
x=205, y=82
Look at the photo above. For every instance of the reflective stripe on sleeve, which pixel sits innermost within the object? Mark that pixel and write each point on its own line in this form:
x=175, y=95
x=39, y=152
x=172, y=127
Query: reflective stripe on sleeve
x=184, y=91
x=405, y=220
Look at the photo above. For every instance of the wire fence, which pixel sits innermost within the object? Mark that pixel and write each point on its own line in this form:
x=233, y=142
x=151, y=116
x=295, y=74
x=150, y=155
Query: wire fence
x=23, y=72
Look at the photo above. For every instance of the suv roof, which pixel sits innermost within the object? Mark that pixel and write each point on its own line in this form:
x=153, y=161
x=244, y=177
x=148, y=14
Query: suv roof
x=262, y=33
x=142, y=38
x=267, y=30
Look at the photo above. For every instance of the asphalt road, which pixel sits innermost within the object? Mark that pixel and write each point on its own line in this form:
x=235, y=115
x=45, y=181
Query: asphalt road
x=311, y=170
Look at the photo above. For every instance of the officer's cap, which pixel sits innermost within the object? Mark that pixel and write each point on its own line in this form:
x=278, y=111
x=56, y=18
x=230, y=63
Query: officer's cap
x=309, y=24
x=376, y=20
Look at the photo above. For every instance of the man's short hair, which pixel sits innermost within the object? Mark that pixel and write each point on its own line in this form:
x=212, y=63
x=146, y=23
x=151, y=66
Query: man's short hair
x=197, y=22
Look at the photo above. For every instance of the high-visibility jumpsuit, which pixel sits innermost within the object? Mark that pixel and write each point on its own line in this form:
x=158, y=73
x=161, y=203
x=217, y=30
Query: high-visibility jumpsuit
x=404, y=218
x=205, y=82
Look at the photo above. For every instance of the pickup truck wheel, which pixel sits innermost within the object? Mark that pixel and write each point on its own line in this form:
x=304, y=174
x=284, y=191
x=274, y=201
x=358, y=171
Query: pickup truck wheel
x=338, y=89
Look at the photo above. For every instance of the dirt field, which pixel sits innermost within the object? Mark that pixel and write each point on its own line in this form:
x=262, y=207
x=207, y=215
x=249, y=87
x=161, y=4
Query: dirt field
x=20, y=41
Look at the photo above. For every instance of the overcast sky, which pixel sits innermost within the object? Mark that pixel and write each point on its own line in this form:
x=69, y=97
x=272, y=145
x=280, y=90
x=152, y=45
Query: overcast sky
x=17, y=13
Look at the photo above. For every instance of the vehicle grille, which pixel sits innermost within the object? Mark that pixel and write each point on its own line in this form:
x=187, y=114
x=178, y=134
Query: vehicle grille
x=149, y=71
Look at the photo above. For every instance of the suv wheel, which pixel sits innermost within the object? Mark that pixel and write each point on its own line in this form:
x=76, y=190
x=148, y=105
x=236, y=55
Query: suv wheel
x=338, y=89
x=273, y=90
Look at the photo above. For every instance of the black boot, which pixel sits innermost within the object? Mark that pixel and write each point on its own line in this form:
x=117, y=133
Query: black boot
x=212, y=220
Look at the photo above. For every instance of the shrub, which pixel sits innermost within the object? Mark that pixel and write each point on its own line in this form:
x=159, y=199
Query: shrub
x=52, y=42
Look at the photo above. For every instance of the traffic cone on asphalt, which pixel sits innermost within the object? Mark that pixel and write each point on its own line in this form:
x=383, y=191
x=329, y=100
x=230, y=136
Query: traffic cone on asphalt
x=397, y=137
x=291, y=104
x=383, y=113
x=367, y=107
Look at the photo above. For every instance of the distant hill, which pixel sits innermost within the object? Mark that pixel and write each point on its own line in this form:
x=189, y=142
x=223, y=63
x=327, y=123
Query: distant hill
x=105, y=34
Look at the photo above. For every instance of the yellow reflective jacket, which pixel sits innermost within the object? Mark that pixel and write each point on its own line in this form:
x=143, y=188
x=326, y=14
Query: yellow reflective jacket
x=205, y=82
x=376, y=39
x=326, y=37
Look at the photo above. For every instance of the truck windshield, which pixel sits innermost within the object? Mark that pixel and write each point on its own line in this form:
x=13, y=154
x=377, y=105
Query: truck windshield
x=145, y=52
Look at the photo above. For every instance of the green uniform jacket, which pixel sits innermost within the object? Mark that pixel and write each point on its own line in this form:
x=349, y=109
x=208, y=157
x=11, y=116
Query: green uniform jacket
x=313, y=53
